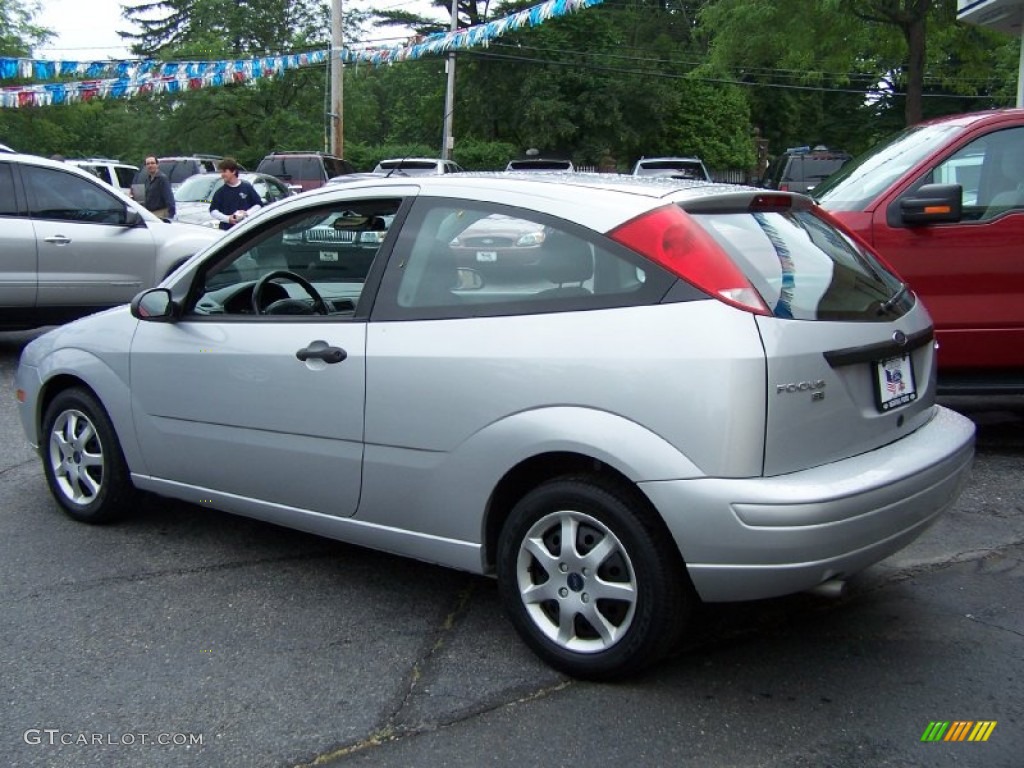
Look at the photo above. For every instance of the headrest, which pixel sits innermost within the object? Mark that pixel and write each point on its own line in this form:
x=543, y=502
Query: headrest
x=566, y=259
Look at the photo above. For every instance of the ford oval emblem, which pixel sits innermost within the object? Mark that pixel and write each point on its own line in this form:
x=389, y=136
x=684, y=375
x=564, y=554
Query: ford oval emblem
x=900, y=338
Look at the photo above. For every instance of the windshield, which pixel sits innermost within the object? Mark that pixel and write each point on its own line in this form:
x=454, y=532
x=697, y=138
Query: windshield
x=858, y=182
x=198, y=189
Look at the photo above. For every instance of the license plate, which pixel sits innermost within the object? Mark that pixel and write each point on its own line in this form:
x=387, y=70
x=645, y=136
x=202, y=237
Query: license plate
x=894, y=383
x=328, y=255
x=486, y=255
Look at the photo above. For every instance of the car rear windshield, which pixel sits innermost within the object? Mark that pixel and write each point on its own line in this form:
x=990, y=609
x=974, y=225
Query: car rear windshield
x=804, y=268
x=178, y=170
x=292, y=168
x=659, y=167
x=813, y=168
x=540, y=165
x=410, y=166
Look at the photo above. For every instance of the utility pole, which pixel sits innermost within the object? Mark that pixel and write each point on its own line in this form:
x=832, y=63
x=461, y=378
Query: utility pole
x=337, y=81
x=448, y=141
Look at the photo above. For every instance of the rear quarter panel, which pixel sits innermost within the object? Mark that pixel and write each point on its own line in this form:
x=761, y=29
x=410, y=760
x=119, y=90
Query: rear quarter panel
x=658, y=392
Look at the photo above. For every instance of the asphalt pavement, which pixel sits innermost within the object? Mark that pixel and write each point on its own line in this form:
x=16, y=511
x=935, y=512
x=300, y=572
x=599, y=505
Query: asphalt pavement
x=186, y=637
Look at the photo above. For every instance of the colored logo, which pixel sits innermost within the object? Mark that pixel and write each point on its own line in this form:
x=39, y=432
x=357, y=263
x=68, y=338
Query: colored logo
x=958, y=730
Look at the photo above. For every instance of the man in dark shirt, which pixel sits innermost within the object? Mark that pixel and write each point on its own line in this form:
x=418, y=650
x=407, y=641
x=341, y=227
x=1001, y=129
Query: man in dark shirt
x=235, y=199
x=159, y=196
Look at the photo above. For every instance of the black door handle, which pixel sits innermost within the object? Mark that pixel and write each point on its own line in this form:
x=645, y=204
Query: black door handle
x=321, y=350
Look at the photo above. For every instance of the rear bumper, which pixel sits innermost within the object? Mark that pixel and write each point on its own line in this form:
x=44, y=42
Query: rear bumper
x=763, y=537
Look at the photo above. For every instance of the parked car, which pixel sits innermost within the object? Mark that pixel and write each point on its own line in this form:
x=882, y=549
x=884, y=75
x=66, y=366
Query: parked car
x=801, y=169
x=540, y=164
x=304, y=170
x=417, y=166
x=192, y=198
x=72, y=245
x=708, y=393
x=115, y=173
x=942, y=203
x=176, y=169
x=672, y=167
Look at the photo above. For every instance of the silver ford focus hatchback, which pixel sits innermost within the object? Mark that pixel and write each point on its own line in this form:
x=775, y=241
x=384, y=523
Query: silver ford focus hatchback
x=618, y=397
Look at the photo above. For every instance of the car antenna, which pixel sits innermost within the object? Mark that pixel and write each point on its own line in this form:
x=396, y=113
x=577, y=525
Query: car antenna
x=398, y=167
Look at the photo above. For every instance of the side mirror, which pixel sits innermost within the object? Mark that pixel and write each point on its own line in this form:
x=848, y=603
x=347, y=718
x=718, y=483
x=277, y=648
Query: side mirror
x=154, y=305
x=933, y=204
x=132, y=218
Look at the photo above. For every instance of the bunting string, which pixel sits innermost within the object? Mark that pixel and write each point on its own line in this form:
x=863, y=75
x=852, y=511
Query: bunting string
x=127, y=78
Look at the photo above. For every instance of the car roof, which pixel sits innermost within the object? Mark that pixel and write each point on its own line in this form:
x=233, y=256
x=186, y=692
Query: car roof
x=969, y=118
x=597, y=201
x=681, y=158
x=612, y=198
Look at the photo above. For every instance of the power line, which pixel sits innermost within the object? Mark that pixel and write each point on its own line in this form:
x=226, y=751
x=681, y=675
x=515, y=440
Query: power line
x=703, y=79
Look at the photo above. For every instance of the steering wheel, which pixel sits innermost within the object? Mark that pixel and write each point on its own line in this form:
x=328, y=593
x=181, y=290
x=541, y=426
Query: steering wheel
x=288, y=306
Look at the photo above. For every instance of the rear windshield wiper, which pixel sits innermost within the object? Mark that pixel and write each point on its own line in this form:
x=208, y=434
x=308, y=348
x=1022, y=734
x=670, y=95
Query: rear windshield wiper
x=888, y=304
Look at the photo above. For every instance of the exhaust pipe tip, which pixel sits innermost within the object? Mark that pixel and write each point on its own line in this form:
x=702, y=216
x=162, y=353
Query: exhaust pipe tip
x=831, y=588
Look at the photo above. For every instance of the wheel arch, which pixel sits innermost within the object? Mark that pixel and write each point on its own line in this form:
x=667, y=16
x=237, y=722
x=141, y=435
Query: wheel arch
x=70, y=369
x=542, y=468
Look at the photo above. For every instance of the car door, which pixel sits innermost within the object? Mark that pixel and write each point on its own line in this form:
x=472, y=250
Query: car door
x=88, y=255
x=263, y=408
x=970, y=273
x=18, y=246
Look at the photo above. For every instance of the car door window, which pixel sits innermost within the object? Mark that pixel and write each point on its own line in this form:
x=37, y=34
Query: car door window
x=8, y=204
x=991, y=172
x=456, y=259
x=61, y=196
x=329, y=249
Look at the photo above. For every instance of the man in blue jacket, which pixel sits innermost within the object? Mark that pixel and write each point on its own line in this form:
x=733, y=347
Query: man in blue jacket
x=235, y=199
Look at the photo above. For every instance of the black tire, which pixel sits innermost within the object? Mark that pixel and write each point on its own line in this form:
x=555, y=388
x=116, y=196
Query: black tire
x=623, y=576
x=82, y=459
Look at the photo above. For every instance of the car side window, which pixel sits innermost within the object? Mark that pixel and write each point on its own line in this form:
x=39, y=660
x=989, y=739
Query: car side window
x=330, y=249
x=991, y=172
x=268, y=192
x=8, y=203
x=462, y=259
x=124, y=177
x=61, y=196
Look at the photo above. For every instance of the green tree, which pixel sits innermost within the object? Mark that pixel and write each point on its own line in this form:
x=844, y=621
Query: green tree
x=19, y=34
x=839, y=71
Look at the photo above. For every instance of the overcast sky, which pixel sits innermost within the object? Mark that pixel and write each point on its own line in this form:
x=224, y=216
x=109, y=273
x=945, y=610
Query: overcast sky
x=86, y=29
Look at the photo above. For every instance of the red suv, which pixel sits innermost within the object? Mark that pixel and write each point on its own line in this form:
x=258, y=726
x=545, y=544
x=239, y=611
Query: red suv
x=943, y=203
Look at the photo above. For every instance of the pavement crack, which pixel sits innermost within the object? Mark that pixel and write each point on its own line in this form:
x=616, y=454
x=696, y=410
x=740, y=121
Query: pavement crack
x=134, y=578
x=390, y=733
x=1000, y=627
x=392, y=730
x=13, y=467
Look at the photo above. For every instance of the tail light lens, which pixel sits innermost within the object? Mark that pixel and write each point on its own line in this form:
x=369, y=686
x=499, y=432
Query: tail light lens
x=676, y=242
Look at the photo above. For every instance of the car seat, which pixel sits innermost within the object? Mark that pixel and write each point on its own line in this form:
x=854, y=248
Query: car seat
x=567, y=261
x=1012, y=195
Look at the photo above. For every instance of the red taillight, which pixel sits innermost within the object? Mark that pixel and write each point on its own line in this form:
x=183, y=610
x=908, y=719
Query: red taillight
x=675, y=241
